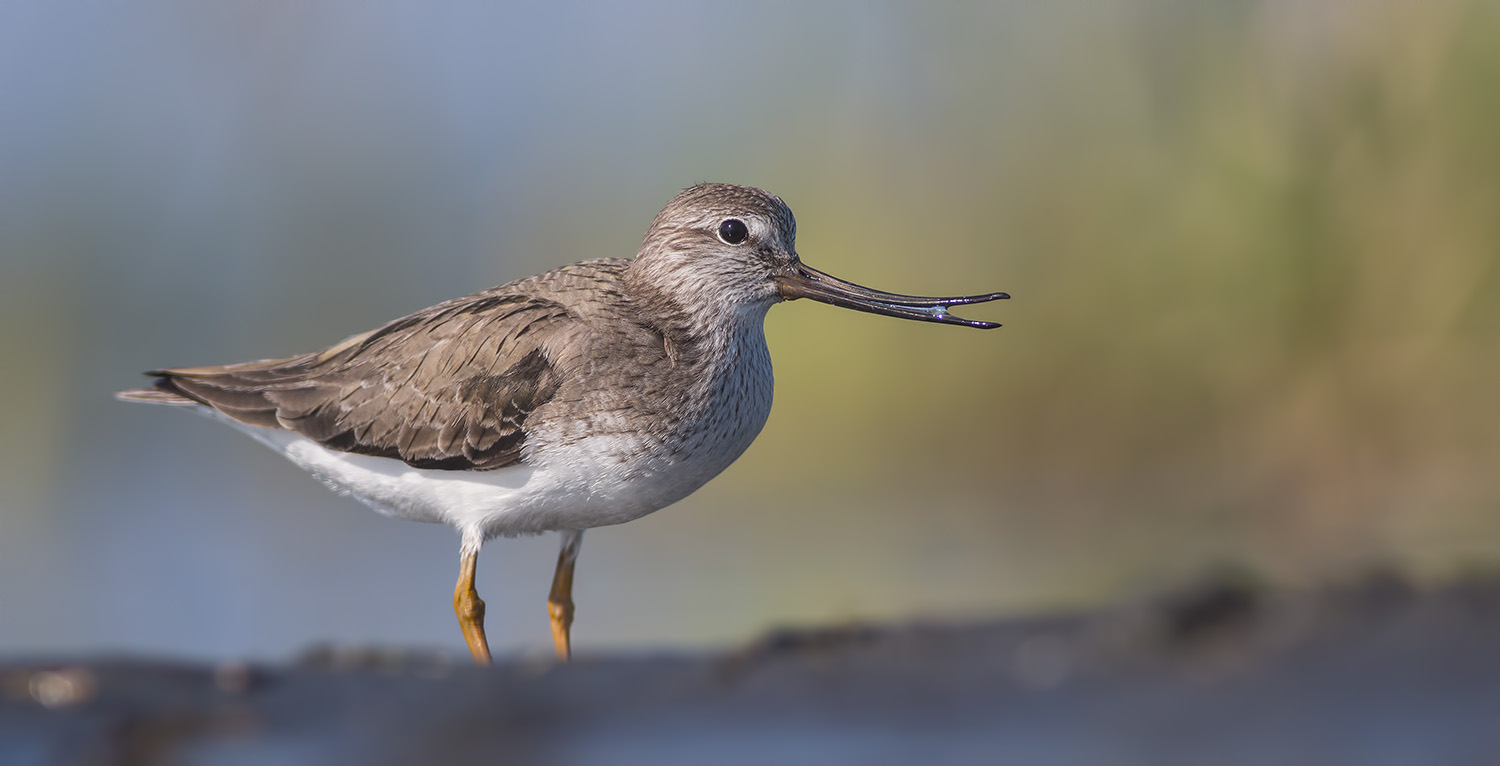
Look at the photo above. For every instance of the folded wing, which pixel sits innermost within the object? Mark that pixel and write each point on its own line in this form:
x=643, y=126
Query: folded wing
x=449, y=387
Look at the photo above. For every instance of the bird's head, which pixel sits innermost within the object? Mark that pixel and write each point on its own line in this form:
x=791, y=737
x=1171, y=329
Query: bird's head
x=733, y=248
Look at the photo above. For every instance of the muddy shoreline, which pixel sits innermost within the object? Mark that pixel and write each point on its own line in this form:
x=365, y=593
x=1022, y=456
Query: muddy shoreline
x=1381, y=673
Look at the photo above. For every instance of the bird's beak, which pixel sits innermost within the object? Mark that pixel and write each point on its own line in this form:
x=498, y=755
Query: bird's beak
x=798, y=280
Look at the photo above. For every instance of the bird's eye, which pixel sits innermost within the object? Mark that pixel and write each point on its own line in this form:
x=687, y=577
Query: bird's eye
x=733, y=231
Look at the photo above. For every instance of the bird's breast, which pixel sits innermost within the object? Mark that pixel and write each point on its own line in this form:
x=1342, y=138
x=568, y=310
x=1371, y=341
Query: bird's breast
x=665, y=431
x=733, y=403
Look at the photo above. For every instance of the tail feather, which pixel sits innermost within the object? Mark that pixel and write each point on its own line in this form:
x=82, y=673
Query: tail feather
x=155, y=396
x=213, y=387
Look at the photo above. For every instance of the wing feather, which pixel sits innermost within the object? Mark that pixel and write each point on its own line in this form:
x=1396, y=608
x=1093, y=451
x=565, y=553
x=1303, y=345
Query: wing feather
x=449, y=387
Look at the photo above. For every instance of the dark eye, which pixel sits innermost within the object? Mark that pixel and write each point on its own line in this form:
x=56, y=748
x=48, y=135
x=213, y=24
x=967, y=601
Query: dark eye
x=733, y=231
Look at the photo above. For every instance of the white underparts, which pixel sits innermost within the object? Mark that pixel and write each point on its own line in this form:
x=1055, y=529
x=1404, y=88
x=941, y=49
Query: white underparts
x=575, y=474
x=592, y=487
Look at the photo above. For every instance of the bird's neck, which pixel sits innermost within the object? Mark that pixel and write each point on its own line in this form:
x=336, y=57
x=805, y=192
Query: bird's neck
x=698, y=326
x=717, y=349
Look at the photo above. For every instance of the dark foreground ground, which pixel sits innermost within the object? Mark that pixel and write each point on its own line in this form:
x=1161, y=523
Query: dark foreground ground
x=1379, y=674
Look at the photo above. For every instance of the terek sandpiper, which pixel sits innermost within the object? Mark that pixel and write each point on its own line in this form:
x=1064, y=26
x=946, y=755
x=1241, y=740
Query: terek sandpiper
x=582, y=397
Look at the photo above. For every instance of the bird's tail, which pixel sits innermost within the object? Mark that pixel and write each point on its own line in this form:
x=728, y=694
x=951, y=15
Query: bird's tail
x=154, y=396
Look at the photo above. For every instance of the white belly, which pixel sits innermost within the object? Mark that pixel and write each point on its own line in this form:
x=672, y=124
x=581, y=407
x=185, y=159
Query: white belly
x=587, y=486
x=595, y=481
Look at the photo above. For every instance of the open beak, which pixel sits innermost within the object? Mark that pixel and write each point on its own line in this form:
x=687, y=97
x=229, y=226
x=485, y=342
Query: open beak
x=801, y=281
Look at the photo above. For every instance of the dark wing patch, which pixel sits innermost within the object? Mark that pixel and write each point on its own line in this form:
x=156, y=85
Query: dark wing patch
x=447, y=388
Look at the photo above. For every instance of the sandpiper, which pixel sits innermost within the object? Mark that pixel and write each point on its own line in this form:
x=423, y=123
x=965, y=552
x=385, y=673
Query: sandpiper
x=582, y=397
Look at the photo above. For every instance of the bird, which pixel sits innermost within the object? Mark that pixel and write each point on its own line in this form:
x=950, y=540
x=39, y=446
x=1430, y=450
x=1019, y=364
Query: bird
x=585, y=396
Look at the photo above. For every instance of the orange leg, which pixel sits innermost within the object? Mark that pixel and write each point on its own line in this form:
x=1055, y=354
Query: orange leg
x=560, y=601
x=470, y=608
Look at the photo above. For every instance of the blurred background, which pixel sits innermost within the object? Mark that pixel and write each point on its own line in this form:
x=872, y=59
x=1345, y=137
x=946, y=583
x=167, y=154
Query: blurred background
x=1254, y=248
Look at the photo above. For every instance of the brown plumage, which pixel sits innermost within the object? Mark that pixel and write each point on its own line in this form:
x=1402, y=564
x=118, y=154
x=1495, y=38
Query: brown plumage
x=448, y=387
x=586, y=396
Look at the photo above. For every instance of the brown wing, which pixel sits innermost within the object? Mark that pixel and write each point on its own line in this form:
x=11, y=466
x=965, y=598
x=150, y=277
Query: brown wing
x=448, y=387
